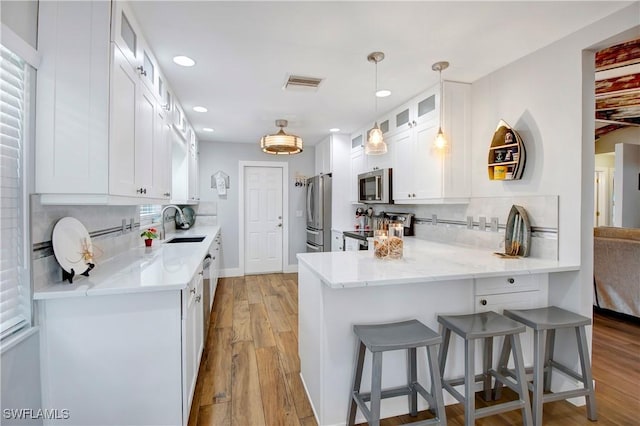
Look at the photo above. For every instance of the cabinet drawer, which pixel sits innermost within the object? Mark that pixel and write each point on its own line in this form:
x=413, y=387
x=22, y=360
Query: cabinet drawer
x=500, y=302
x=507, y=284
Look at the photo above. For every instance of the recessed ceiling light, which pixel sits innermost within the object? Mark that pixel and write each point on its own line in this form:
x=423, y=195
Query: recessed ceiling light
x=207, y=129
x=184, y=61
x=200, y=109
x=335, y=129
x=383, y=93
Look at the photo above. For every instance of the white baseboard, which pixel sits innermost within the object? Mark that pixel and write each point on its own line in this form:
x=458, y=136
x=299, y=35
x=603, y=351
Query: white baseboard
x=290, y=268
x=231, y=272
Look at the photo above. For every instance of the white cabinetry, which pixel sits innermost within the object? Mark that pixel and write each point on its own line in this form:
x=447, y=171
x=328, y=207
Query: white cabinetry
x=515, y=292
x=101, y=135
x=194, y=190
x=422, y=174
x=72, y=111
x=192, y=330
x=358, y=166
x=337, y=242
x=323, y=157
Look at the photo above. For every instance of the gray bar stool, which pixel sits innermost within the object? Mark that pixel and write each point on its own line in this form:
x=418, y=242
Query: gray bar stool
x=545, y=322
x=486, y=326
x=380, y=338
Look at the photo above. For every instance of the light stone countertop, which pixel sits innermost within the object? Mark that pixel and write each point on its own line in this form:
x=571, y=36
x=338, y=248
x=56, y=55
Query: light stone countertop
x=158, y=268
x=422, y=261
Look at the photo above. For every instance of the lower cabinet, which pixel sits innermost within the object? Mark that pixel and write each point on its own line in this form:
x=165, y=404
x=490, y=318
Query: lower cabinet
x=193, y=332
x=512, y=292
x=122, y=358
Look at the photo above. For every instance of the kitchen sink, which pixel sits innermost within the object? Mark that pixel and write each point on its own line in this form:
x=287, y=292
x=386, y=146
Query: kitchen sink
x=185, y=240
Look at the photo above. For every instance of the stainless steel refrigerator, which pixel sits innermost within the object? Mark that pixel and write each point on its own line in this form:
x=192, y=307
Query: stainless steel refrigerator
x=319, y=213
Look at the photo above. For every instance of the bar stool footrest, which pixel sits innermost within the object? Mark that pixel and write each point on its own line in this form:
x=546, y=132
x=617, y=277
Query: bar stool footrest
x=557, y=396
x=388, y=393
x=500, y=408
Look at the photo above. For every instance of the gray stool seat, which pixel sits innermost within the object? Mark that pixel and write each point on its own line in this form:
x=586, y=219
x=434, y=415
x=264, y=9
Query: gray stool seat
x=547, y=318
x=480, y=325
x=380, y=338
x=394, y=336
x=545, y=322
x=484, y=326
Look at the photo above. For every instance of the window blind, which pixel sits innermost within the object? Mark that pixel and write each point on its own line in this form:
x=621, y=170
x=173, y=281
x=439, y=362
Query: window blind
x=15, y=305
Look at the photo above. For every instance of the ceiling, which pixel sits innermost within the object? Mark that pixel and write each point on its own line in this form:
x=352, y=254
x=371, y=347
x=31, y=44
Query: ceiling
x=245, y=51
x=618, y=87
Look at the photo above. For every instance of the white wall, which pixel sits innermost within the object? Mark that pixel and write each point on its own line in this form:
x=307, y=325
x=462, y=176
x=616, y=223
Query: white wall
x=627, y=186
x=22, y=17
x=548, y=97
x=216, y=156
x=607, y=143
x=20, y=375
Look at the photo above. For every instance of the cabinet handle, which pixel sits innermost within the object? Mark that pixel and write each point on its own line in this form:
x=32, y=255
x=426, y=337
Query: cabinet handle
x=198, y=297
x=414, y=123
x=413, y=195
x=483, y=302
x=167, y=194
x=144, y=191
x=511, y=280
x=193, y=291
x=142, y=71
x=201, y=273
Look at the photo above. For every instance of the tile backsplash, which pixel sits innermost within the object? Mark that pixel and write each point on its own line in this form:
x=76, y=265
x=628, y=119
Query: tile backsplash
x=104, y=224
x=451, y=222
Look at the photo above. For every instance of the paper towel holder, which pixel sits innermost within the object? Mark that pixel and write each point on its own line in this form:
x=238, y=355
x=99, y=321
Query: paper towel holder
x=217, y=176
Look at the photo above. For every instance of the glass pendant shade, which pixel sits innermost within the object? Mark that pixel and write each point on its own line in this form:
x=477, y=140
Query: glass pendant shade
x=440, y=142
x=375, y=142
x=281, y=143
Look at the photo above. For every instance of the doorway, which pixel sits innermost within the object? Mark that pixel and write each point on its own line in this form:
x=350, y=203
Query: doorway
x=263, y=217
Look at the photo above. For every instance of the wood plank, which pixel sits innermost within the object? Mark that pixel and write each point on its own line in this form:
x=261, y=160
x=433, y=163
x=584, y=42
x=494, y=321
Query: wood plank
x=215, y=415
x=260, y=326
x=276, y=400
x=241, y=322
x=308, y=421
x=277, y=316
x=265, y=286
x=239, y=289
x=288, y=348
x=217, y=384
x=300, y=400
x=224, y=305
x=254, y=295
x=246, y=405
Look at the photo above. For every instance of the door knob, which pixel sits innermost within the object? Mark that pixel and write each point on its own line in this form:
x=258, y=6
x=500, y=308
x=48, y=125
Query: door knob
x=279, y=225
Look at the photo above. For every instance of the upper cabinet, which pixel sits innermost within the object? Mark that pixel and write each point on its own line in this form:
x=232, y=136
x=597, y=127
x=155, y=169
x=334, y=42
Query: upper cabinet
x=104, y=109
x=423, y=174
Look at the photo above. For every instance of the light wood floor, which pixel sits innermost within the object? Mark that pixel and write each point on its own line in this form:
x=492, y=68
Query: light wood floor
x=249, y=374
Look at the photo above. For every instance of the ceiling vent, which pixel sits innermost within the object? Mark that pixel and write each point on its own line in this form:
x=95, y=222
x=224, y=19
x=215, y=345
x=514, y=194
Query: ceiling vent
x=297, y=82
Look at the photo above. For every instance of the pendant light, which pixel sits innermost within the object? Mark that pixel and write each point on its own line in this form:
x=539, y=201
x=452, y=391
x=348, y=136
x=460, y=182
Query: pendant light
x=440, y=143
x=375, y=142
x=281, y=143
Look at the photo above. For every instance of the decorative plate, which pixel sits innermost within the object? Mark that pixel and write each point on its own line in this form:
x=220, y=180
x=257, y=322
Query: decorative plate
x=72, y=248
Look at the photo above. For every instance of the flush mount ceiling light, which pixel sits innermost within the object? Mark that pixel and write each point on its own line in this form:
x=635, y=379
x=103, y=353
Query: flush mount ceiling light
x=383, y=93
x=334, y=130
x=184, y=61
x=281, y=143
x=440, y=143
x=375, y=142
x=207, y=129
x=200, y=109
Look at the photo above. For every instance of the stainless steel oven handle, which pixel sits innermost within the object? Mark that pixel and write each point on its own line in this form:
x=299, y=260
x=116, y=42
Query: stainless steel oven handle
x=313, y=232
x=313, y=247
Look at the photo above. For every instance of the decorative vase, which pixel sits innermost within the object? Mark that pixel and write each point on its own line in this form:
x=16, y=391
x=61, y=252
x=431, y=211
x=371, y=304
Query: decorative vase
x=148, y=242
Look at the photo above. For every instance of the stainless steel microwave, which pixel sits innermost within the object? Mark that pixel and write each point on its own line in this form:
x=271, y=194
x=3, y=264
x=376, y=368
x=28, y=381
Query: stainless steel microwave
x=375, y=187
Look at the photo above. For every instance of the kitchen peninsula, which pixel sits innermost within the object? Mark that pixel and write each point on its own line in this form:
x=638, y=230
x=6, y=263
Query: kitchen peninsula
x=339, y=289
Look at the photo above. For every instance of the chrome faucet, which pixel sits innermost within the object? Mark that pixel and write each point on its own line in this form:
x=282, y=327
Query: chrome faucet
x=179, y=213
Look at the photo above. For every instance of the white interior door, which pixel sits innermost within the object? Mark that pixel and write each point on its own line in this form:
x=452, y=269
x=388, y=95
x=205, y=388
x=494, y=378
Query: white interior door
x=263, y=219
